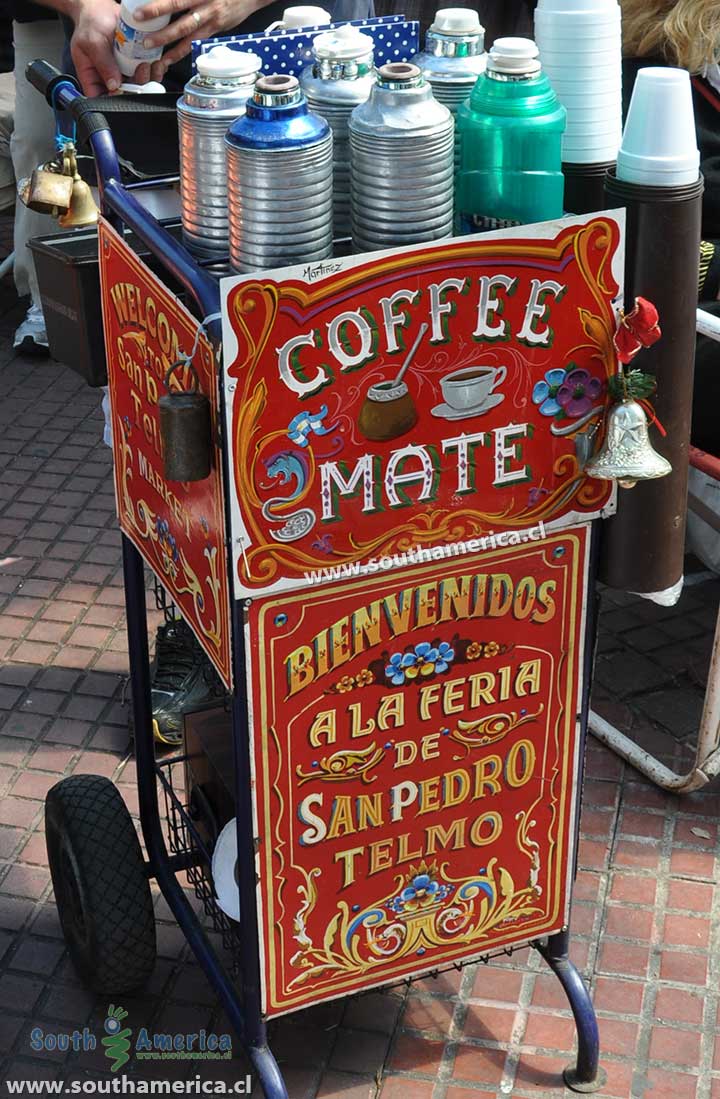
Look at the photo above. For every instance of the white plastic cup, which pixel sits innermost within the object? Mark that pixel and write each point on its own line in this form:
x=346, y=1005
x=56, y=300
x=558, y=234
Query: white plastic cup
x=595, y=128
x=582, y=91
x=585, y=80
x=592, y=144
x=659, y=146
x=589, y=117
x=587, y=92
x=595, y=154
x=561, y=28
x=572, y=7
x=587, y=22
x=588, y=134
x=580, y=60
x=589, y=45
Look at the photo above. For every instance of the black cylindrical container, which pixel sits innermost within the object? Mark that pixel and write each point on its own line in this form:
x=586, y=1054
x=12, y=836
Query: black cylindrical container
x=585, y=187
x=643, y=545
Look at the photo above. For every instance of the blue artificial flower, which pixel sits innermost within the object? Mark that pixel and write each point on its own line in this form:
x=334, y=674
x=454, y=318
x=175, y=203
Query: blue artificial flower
x=544, y=393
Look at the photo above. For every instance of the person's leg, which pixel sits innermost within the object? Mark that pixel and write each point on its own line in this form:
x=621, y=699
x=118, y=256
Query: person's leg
x=32, y=143
x=7, y=111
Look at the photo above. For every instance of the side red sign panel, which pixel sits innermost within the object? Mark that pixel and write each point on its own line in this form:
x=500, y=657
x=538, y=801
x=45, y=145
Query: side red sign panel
x=381, y=404
x=415, y=751
x=178, y=528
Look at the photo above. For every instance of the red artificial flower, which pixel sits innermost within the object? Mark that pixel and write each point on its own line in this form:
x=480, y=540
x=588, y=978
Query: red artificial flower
x=637, y=329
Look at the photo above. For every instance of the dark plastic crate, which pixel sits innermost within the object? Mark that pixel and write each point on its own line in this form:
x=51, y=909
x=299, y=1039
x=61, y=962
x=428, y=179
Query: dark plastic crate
x=68, y=275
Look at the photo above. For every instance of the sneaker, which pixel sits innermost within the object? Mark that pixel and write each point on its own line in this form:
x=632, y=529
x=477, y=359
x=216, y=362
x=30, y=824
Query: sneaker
x=183, y=680
x=31, y=336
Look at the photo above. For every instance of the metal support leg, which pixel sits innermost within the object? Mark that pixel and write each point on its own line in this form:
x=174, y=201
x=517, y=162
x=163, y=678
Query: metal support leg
x=707, y=756
x=586, y=1075
x=260, y=1056
x=7, y=265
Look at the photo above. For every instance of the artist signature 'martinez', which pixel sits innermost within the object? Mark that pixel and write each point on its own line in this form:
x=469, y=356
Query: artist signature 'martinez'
x=312, y=273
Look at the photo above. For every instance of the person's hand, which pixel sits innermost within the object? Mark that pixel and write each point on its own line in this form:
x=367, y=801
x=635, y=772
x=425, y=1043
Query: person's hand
x=200, y=19
x=91, y=45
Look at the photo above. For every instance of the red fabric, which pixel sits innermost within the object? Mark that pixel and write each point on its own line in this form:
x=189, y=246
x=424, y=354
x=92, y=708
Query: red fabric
x=637, y=329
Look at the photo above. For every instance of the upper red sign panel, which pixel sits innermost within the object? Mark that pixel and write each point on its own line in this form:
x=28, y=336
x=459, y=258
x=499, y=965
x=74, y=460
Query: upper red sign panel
x=382, y=407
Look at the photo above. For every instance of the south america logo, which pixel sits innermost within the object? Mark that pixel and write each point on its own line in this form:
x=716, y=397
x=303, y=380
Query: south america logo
x=117, y=1044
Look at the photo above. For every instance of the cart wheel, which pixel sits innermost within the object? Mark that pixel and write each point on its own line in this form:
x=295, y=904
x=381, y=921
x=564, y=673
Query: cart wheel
x=101, y=886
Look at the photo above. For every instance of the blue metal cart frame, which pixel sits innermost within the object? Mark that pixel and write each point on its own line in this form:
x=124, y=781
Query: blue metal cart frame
x=242, y=999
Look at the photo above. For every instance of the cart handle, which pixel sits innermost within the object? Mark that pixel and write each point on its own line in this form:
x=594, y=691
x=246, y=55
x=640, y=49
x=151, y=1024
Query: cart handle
x=63, y=93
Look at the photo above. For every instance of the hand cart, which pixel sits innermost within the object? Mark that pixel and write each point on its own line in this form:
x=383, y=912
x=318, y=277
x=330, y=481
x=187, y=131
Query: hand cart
x=99, y=873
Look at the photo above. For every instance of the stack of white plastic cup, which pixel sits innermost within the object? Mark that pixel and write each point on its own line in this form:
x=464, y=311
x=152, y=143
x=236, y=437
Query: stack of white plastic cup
x=659, y=146
x=580, y=43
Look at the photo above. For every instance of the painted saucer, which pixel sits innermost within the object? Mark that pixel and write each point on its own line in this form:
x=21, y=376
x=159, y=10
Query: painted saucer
x=445, y=412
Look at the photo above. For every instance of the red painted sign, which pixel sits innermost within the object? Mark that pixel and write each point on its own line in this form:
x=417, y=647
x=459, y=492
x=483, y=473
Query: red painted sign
x=416, y=399
x=179, y=528
x=415, y=753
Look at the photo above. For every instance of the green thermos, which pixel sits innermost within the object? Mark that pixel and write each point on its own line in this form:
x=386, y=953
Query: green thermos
x=510, y=135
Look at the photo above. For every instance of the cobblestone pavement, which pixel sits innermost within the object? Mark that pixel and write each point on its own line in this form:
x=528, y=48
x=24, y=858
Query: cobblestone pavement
x=646, y=920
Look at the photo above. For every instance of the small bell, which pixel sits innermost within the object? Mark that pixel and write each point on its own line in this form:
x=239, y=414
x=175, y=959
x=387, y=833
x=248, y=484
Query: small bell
x=185, y=430
x=83, y=210
x=47, y=191
x=627, y=454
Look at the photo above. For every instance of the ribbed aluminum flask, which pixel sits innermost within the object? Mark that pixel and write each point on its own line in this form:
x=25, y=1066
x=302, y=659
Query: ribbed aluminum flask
x=213, y=99
x=454, y=55
x=401, y=163
x=339, y=78
x=279, y=180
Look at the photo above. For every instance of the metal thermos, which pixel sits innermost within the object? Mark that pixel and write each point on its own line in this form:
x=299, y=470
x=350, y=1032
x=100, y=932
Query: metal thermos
x=454, y=55
x=213, y=99
x=279, y=180
x=339, y=78
x=401, y=163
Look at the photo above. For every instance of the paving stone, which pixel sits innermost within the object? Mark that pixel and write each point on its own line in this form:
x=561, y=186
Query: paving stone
x=628, y=673
x=677, y=710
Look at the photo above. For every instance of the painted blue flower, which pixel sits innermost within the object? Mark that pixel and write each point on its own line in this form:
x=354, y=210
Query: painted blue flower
x=545, y=392
x=421, y=889
x=399, y=663
x=446, y=655
x=425, y=660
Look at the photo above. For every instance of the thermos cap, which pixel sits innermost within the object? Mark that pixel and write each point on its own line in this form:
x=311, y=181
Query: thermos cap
x=305, y=17
x=457, y=21
x=398, y=72
x=514, y=56
x=343, y=43
x=224, y=63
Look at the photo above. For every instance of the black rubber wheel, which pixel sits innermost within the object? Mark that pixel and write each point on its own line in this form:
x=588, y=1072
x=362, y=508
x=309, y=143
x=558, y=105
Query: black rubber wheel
x=101, y=888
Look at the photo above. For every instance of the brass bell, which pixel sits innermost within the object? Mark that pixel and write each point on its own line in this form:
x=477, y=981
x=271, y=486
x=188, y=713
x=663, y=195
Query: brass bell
x=82, y=209
x=47, y=191
x=627, y=454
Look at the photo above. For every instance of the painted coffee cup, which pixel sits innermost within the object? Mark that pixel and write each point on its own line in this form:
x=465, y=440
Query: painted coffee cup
x=470, y=387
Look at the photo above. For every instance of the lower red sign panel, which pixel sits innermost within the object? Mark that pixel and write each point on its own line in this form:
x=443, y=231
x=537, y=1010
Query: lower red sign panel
x=415, y=749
